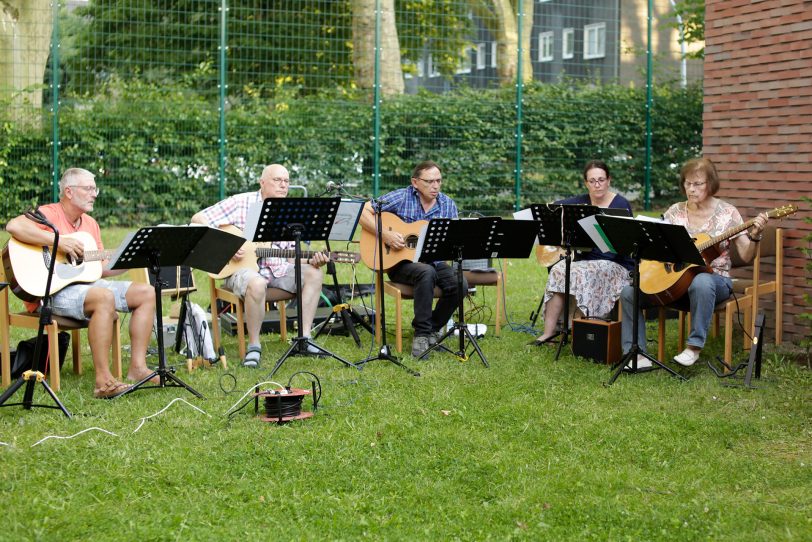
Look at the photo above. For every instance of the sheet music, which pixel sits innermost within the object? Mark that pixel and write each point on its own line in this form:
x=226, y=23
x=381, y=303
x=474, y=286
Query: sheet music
x=252, y=219
x=596, y=234
x=349, y=211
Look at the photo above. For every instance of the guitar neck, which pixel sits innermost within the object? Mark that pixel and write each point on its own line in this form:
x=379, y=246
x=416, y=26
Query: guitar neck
x=283, y=253
x=727, y=234
x=97, y=255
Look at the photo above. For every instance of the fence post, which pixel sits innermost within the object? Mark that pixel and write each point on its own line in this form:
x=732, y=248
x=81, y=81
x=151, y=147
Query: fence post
x=376, y=106
x=517, y=171
x=647, y=180
x=223, y=87
x=55, y=101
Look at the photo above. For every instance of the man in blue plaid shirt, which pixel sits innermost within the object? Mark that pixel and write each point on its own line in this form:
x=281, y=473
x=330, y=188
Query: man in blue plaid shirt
x=421, y=200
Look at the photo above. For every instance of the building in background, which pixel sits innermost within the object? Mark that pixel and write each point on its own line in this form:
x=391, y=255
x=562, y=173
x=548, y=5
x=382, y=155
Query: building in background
x=596, y=40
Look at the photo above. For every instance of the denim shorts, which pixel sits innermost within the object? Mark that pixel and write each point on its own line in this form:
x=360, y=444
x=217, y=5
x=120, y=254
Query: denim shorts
x=238, y=282
x=70, y=301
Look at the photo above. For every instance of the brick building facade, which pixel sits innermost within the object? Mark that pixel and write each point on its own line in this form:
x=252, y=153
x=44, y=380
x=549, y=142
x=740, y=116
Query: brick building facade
x=758, y=121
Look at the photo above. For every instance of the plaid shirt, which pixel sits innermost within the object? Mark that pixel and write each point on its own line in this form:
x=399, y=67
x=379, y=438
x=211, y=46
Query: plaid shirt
x=234, y=210
x=405, y=202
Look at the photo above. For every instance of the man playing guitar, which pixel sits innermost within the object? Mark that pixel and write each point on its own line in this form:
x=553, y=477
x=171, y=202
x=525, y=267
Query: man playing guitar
x=97, y=301
x=252, y=285
x=420, y=201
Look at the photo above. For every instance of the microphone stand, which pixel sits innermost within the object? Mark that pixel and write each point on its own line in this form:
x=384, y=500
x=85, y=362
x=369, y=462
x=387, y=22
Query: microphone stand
x=33, y=375
x=384, y=352
x=349, y=316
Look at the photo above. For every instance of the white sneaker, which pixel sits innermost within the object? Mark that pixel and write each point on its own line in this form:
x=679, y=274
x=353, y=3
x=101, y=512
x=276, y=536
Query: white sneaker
x=687, y=357
x=642, y=363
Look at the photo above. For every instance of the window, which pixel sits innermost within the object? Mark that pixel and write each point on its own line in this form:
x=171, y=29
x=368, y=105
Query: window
x=545, y=47
x=568, y=38
x=595, y=40
x=480, y=56
x=494, y=47
x=432, y=69
x=421, y=68
x=465, y=61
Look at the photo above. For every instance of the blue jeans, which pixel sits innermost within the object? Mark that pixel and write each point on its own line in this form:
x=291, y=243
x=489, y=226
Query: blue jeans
x=705, y=291
x=424, y=277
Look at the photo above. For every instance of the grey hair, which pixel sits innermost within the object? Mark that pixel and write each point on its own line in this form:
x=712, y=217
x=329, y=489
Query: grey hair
x=72, y=177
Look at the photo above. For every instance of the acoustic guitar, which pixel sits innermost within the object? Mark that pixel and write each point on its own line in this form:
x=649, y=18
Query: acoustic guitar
x=391, y=257
x=27, y=266
x=255, y=251
x=547, y=255
x=664, y=283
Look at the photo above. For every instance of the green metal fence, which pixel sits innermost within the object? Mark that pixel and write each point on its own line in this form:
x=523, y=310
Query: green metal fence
x=176, y=103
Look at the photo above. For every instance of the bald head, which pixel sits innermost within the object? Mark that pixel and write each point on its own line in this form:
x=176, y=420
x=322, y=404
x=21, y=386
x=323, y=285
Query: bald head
x=274, y=181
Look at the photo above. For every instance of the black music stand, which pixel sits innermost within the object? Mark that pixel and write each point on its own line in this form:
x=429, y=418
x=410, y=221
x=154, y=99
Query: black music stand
x=558, y=226
x=297, y=220
x=650, y=240
x=196, y=246
x=344, y=230
x=33, y=375
x=461, y=239
x=384, y=352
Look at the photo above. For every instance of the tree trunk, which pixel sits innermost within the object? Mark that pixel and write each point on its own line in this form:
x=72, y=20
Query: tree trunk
x=363, y=40
x=25, y=37
x=502, y=21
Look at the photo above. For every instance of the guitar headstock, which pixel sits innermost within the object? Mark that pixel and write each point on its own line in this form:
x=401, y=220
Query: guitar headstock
x=345, y=257
x=780, y=212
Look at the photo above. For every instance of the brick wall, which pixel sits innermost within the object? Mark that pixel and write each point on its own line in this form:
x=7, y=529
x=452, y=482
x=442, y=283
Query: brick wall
x=758, y=120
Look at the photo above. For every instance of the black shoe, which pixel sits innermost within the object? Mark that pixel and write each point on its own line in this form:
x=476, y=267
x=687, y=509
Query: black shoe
x=539, y=342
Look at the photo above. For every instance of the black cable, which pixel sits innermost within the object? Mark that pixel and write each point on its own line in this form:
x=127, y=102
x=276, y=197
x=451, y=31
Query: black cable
x=223, y=388
x=315, y=384
x=280, y=405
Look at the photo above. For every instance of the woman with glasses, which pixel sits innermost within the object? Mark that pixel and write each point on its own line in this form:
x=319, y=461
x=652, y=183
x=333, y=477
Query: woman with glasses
x=701, y=212
x=596, y=278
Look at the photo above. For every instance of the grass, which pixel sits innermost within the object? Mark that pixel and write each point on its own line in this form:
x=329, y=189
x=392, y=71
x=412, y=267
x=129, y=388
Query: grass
x=528, y=449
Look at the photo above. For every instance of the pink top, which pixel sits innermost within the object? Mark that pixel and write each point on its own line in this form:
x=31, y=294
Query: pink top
x=724, y=217
x=56, y=216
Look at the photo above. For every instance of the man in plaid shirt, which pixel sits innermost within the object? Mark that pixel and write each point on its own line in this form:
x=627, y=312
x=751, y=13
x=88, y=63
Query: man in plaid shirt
x=251, y=285
x=421, y=200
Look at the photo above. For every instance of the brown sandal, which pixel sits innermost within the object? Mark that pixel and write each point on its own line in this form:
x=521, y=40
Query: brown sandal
x=110, y=390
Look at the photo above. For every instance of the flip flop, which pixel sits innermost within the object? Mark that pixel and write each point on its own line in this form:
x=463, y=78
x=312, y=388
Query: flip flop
x=110, y=390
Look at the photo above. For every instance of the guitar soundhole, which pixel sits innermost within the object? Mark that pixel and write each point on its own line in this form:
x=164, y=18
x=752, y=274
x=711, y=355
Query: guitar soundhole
x=411, y=241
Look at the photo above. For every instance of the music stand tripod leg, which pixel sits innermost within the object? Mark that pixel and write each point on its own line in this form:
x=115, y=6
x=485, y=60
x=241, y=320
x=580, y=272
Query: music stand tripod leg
x=162, y=372
x=460, y=326
x=301, y=343
x=634, y=350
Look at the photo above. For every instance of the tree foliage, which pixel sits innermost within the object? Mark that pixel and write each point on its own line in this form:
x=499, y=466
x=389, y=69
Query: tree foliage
x=302, y=44
x=692, y=13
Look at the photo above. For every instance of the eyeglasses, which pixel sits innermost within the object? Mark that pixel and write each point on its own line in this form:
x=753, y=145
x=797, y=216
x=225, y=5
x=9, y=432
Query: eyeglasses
x=430, y=182
x=595, y=182
x=89, y=189
x=280, y=180
x=694, y=185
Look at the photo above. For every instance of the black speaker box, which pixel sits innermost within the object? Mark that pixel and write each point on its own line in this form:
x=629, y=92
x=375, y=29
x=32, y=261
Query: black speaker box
x=597, y=340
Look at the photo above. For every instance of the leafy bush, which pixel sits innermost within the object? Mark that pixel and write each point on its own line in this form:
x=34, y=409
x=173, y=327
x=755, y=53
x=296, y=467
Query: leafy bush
x=157, y=149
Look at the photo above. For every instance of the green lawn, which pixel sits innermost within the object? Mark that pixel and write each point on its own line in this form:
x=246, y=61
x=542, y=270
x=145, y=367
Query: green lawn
x=530, y=449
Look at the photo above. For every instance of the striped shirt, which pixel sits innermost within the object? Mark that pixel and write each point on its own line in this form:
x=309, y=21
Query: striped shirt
x=234, y=211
